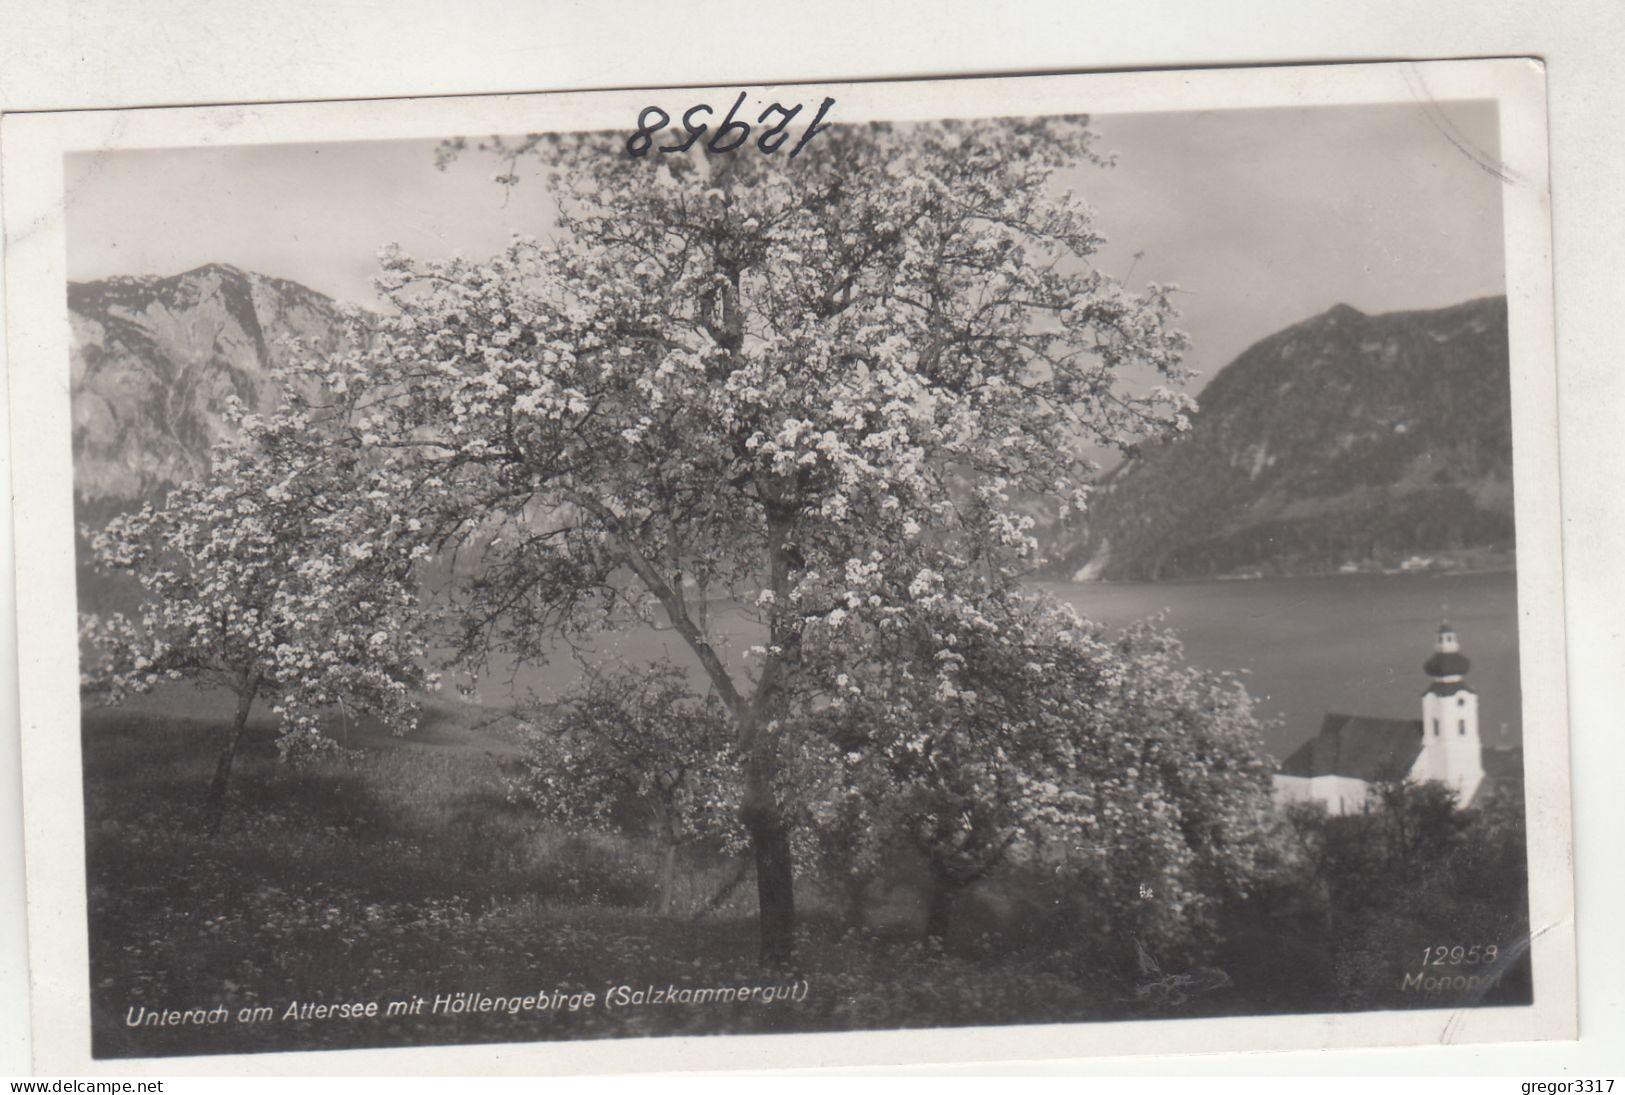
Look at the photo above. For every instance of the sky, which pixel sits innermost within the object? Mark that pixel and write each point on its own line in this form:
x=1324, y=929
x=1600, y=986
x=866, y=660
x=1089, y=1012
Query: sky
x=1262, y=217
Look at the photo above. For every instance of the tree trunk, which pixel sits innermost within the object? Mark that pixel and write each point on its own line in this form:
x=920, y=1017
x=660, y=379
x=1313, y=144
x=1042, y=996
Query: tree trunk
x=770, y=845
x=668, y=876
x=940, y=906
x=854, y=890
x=214, y=808
x=775, y=891
x=763, y=817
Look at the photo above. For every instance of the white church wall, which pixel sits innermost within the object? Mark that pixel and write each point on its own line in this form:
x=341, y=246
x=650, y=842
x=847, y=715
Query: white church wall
x=1452, y=752
x=1341, y=794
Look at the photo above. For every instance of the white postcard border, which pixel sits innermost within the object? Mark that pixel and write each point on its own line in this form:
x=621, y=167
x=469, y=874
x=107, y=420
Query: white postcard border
x=37, y=331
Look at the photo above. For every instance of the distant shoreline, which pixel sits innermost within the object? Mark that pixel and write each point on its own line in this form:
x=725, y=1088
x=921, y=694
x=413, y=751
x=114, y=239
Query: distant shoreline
x=1507, y=567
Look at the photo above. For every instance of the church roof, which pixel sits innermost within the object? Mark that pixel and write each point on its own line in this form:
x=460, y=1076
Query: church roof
x=1359, y=747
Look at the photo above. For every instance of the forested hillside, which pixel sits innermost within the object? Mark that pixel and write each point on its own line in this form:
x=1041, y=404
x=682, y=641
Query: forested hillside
x=1346, y=440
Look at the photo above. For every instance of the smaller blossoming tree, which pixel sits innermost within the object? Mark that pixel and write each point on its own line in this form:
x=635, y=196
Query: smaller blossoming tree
x=959, y=727
x=284, y=575
x=999, y=727
x=642, y=741
x=1170, y=816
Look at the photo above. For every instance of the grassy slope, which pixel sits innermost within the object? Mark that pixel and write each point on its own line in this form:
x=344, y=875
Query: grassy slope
x=406, y=871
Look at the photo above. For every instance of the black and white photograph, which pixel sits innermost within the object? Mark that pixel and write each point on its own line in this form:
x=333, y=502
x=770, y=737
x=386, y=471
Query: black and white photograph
x=1072, y=556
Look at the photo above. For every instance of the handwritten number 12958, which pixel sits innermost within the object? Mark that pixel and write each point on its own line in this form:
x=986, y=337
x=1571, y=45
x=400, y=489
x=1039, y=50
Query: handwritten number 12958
x=730, y=134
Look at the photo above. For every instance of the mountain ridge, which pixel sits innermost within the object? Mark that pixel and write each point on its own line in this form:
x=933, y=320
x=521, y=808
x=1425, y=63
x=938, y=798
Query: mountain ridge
x=155, y=358
x=1346, y=440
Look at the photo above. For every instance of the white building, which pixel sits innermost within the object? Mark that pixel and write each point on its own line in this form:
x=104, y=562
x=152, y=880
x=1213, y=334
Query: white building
x=1351, y=752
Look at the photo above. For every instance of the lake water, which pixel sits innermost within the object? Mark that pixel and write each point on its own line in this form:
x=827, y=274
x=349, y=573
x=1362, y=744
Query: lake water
x=1347, y=643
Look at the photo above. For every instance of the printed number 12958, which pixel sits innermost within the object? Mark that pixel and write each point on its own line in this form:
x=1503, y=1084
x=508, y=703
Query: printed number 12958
x=1478, y=953
x=730, y=134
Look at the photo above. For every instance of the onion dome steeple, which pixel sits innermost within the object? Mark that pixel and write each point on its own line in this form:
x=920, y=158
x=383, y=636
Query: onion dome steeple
x=1448, y=665
x=1451, y=750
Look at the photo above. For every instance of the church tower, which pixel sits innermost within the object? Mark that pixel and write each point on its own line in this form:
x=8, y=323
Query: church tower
x=1451, y=750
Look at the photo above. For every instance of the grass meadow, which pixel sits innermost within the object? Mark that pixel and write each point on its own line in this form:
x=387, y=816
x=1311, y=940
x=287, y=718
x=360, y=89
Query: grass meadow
x=404, y=871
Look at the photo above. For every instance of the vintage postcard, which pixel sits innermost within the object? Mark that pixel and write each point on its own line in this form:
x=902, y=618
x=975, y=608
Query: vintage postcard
x=783, y=575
